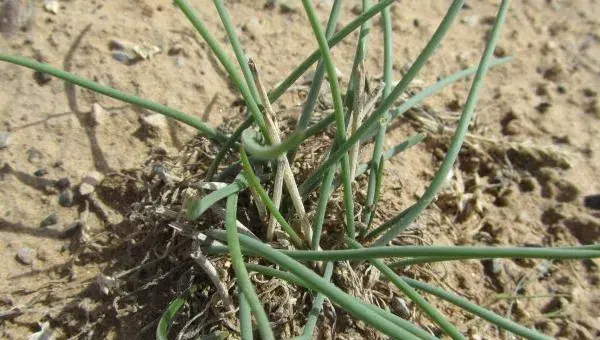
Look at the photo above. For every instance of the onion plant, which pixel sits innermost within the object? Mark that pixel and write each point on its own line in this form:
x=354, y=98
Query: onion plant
x=254, y=143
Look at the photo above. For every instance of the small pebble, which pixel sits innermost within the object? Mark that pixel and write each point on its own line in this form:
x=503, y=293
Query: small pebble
x=4, y=139
x=116, y=45
x=49, y=220
x=287, y=6
x=93, y=178
x=86, y=189
x=42, y=78
x=471, y=20
x=180, y=61
x=155, y=125
x=42, y=254
x=51, y=6
x=40, y=172
x=592, y=201
x=65, y=199
x=496, y=266
x=123, y=58
x=25, y=255
x=98, y=115
x=63, y=183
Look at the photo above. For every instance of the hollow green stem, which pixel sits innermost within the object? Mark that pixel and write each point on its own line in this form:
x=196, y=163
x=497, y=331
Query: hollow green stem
x=339, y=115
x=237, y=48
x=190, y=120
x=317, y=283
x=450, y=252
x=264, y=196
x=219, y=52
x=376, y=176
x=459, y=135
x=317, y=306
x=291, y=278
x=241, y=273
x=317, y=81
x=389, y=100
x=483, y=313
x=245, y=318
x=339, y=36
x=412, y=294
x=195, y=208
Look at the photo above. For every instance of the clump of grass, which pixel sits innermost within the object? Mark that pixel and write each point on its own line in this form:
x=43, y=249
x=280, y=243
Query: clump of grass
x=257, y=142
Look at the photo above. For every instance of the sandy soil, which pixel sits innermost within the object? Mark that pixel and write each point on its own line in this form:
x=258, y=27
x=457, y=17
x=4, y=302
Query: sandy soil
x=545, y=99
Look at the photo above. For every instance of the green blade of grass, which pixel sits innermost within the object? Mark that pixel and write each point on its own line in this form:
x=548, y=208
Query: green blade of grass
x=431, y=259
x=219, y=52
x=190, y=120
x=375, y=177
x=359, y=57
x=459, y=136
x=237, y=260
x=339, y=36
x=483, y=313
x=318, y=127
x=339, y=114
x=450, y=252
x=264, y=196
x=237, y=48
x=317, y=306
x=291, y=278
x=245, y=318
x=273, y=151
x=319, y=284
x=412, y=102
x=322, y=203
x=389, y=100
x=329, y=177
x=378, y=171
x=164, y=324
x=317, y=81
x=433, y=313
x=195, y=208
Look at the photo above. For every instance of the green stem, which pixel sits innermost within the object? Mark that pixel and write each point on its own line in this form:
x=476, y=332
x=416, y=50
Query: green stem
x=413, y=295
x=237, y=48
x=241, y=273
x=190, y=120
x=388, y=73
x=245, y=318
x=483, y=313
x=317, y=81
x=190, y=13
x=427, y=52
x=339, y=115
x=459, y=136
x=291, y=278
x=449, y=252
x=317, y=283
x=264, y=196
x=317, y=306
x=339, y=36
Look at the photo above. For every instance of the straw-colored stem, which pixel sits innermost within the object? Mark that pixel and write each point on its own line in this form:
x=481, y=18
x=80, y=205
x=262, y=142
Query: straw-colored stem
x=288, y=174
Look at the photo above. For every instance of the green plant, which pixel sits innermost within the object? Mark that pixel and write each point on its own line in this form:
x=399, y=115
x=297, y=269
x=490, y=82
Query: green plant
x=301, y=266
